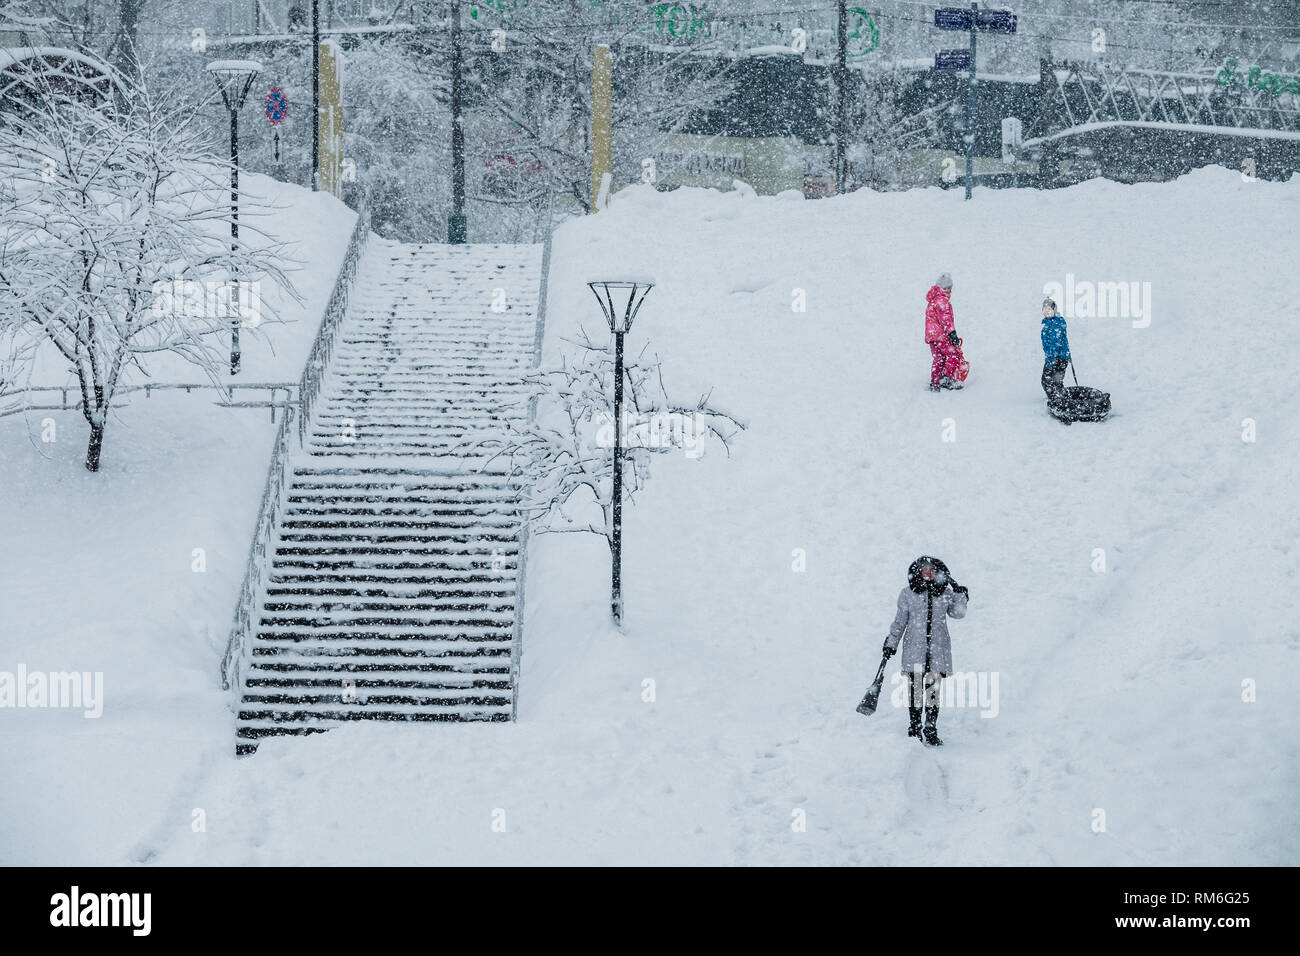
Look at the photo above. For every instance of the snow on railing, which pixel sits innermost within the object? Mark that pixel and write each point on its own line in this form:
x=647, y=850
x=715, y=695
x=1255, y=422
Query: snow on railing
x=232, y=664
x=521, y=554
x=240, y=643
x=323, y=347
x=226, y=401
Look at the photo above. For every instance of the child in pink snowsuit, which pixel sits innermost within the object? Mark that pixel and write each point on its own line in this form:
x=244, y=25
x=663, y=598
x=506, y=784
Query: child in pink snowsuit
x=941, y=336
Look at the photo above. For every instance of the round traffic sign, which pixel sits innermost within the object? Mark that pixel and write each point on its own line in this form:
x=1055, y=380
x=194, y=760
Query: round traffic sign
x=277, y=105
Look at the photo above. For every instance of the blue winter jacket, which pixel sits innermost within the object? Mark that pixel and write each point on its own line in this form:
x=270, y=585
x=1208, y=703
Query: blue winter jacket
x=1055, y=344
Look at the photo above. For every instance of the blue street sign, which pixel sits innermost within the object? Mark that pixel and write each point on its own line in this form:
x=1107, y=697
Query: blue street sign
x=996, y=21
x=952, y=60
x=277, y=105
x=952, y=18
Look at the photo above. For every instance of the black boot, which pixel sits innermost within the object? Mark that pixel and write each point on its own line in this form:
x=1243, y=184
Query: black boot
x=931, y=718
x=914, y=721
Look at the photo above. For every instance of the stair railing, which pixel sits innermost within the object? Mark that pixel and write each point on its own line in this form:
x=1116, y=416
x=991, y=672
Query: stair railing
x=323, y=348
x=287, y=441
x=232, y=663
x=521, y=554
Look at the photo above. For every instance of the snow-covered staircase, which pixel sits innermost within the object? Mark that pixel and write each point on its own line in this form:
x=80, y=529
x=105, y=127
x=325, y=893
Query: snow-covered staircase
x=393, y=578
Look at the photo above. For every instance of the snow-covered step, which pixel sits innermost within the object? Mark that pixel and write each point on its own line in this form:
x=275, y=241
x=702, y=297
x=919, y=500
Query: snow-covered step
x=415, y=648
x=370, y=520
x=393, y=653
x=288, y=599
x=428, y=413
x=388, y=494
x=425, y=658
x=296, y=578
x=388, y=605
x=491, y=563
x=463, y=617
x=397, y=436
x=449, y=672
x=371, y=509
x=393, y=581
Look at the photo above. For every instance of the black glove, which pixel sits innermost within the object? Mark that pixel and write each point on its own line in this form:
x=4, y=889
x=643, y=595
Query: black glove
x=959, y=589
x=889, y=652
x=952, y=337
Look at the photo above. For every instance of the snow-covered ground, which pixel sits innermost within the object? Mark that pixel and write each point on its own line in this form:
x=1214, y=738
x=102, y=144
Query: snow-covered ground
x=1118, y=691
x=98, y=574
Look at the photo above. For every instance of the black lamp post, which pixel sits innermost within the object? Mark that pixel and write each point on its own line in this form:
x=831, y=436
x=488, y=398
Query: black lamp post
x=315, y=95
x=234, y=78
x=842, y=98
x=457, y=228
x=631, y=294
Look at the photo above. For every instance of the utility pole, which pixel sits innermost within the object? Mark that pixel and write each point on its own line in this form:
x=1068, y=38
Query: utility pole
x=315, y=95
x=1047, y=160
x=842, y=106
x=457, y=229
x=957, y=18
x=970, y=102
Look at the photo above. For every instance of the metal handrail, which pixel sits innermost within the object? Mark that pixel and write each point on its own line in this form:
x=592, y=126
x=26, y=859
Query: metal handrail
x=521, y=553
x=323, y=347
x=239, y=645
x=249, y=591
x=148, y=388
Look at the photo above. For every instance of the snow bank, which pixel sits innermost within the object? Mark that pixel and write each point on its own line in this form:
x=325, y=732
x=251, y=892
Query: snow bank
x=727, y=706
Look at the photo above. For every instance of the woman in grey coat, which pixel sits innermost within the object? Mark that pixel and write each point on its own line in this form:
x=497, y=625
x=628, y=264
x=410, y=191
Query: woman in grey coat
x=924, y=606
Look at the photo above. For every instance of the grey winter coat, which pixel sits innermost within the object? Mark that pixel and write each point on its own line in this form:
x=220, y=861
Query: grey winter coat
x=913, y=612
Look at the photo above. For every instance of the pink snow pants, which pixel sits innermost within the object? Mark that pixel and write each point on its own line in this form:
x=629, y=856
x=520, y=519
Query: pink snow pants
x=944, y=362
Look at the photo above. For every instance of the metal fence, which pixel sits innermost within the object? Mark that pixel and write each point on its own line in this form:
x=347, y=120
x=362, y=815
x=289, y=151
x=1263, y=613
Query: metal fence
x=546, y=226
x=1234, y=99
x=323, y=348
x=232, y=662
x=71, y=400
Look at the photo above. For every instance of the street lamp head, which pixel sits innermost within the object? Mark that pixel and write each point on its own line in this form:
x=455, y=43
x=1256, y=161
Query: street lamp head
x=234, y=78
x=620, y=300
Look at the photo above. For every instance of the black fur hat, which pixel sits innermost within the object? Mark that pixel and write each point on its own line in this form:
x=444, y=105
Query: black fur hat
x=918, y=584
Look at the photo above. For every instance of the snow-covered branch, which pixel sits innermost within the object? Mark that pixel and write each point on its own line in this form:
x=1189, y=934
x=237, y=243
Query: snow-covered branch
x=564, y=456
x=116, y=243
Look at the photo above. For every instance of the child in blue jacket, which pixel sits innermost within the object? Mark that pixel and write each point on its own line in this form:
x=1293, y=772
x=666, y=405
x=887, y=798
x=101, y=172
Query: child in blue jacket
x=1056, y=352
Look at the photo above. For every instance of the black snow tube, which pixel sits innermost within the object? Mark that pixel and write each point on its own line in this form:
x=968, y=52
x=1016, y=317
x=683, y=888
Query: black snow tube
x=1080, y=404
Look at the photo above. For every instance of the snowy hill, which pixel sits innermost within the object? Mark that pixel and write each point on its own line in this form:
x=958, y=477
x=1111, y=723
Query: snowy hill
x=1119, y=691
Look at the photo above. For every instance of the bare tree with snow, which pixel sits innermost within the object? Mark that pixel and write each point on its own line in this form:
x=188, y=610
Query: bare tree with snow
x=115, y=242
x=564, y=455
x=538, y=91
x=884, y=128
